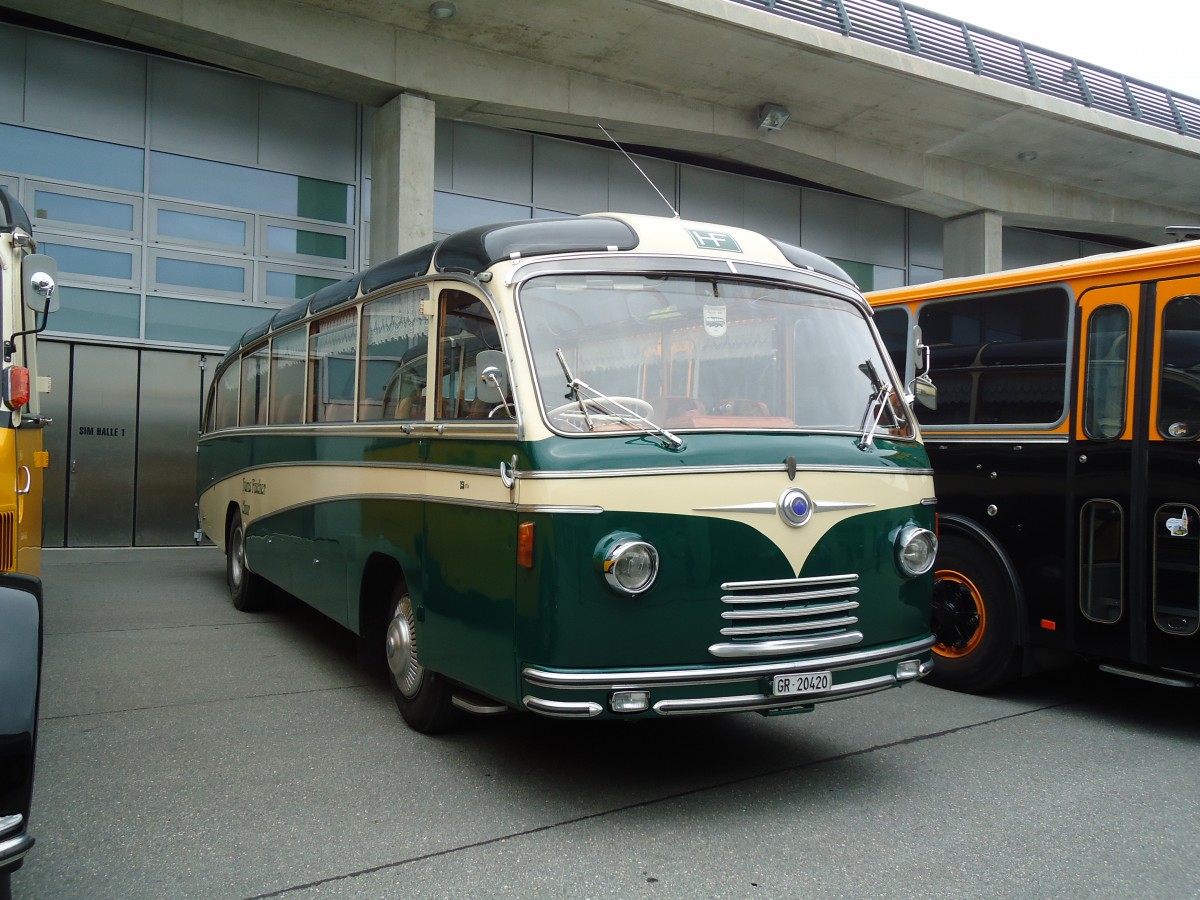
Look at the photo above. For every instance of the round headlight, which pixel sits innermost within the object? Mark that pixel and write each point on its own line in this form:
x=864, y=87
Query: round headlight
x=630, y=566
x=916, y=549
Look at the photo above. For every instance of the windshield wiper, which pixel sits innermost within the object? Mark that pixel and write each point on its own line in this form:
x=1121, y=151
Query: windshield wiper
x=875, y=405
x=610, y=407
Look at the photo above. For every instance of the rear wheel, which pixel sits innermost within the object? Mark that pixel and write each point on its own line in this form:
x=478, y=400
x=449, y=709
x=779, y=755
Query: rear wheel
x=974, y=619
x=423, y=697
x=248, y=591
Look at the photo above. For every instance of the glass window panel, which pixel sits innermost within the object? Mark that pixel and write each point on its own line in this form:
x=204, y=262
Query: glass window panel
x=288, y=359
x=88, y=311
x=294, y=285
x=202, y=275
x=303, y=242
x=198, y=322
x=1177, y=568
x=1101, y=561
x=893, y=328
x=246, y=188
x=227, y=398
x=998, y=359
x=93, y=261
x=1179, y=377
x=466, y=329
x=395, y=339
x=66, y=158
x=331, y=353
x=254, y=388
x=56, y=206
x=208, y=229
x=454, y=212
x=1105, y=378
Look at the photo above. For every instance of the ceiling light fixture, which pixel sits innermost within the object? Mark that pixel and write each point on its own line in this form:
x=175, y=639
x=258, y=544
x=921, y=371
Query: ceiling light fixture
x=772, y=116
x=442, y=9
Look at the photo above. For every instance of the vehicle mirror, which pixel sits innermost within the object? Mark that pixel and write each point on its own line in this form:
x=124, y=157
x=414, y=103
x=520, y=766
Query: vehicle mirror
x=925, y=391
x=920, y=352
x=493, y=376
x=41, y=274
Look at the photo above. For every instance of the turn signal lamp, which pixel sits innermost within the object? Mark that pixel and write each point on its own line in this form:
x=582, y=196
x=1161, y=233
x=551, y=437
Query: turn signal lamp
x=525, y=545
x=16, y=387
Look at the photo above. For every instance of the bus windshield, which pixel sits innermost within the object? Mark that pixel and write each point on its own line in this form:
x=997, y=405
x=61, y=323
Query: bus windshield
x=705, y=352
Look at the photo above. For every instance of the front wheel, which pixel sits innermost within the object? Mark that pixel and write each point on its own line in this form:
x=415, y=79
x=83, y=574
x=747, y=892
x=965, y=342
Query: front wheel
x=423, y=697
x=248, y=591
x=974, y=619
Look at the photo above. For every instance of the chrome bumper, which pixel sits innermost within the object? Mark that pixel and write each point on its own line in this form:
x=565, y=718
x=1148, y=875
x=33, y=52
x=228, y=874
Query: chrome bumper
x=15, y=842
x=651, y=679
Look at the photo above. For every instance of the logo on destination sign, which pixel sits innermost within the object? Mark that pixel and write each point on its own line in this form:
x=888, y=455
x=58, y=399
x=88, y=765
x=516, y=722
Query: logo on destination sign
x=714, y=240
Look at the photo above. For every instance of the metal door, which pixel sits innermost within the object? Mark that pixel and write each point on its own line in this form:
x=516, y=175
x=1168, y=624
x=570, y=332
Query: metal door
x=103, y=444
x=170, y=401
x=54, y=360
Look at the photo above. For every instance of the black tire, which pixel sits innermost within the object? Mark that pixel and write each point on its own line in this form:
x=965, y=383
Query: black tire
x=974, y=619
x=423, y=697
x=5, y=886
x=249, y=592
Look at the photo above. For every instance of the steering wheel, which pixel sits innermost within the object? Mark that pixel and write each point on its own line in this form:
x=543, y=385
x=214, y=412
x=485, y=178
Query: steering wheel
x=600, y=411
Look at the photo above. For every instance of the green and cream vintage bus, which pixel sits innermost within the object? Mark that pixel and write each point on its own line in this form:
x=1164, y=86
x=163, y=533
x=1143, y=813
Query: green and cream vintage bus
x=597, y=467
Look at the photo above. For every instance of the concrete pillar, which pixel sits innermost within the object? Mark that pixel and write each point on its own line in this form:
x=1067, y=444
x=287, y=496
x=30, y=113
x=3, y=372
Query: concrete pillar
x=973, y=244
x=402, y=176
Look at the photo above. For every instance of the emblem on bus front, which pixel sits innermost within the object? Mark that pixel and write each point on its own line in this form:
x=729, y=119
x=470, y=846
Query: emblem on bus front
x=714, y=240
x=795, y=507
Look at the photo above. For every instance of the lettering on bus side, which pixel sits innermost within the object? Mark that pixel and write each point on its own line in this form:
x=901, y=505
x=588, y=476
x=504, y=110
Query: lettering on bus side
x=253, y=486
x=95, y=431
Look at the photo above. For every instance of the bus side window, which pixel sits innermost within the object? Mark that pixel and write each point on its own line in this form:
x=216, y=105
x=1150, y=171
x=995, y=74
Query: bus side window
x=331, y=351
x=287, y=377
x=1105, y=376
x=395, y=347
x=1179, y=377
x=466, y=328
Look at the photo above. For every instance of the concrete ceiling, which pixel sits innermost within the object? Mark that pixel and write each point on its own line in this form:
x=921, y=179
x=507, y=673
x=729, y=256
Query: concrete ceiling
x=688, y=75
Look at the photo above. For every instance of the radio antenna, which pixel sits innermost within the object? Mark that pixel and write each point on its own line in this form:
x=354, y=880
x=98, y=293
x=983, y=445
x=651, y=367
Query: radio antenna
x=639, y=169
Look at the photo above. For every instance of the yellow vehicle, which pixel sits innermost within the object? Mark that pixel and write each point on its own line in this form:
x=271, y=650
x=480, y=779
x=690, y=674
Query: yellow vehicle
x=28, y=284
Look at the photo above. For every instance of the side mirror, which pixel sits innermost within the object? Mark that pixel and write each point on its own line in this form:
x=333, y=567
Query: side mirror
x=493, y=376
x=925, y=391
x=41, y=272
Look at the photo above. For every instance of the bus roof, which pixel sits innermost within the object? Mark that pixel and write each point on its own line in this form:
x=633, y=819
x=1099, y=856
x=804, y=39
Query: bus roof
x=1084, y=267
x=477, y=249
x=12, y=214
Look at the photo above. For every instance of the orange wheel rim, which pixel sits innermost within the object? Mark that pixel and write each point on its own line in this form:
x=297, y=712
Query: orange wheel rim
x=959, y=615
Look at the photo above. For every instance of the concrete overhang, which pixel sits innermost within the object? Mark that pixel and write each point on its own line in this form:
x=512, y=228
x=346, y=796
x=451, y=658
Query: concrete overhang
x=688, y=76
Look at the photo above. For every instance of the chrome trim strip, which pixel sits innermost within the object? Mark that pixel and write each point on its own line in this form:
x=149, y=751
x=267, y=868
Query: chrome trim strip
x=562, y=709
x=786, y=582
x=15, y=847
x=650, y=678
x=773, y=506
x=748, y=702
x=789, y=612
x=724, y=470
x=747, y=630
x=550, y=508
x=479, y=706
x=10, y=823
x=803, y=597
x=1148, y=676
x=789, y=645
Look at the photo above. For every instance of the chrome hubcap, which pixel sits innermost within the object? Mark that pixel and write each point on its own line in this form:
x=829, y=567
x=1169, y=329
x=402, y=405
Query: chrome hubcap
x=237, y=557
x=402, y=649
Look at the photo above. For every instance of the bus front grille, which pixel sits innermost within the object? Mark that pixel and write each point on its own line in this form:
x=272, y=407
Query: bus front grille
x=8, y=541
x=787, y=617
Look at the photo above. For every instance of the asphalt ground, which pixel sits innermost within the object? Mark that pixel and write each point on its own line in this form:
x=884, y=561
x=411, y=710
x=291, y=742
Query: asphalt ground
x=189, y=750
